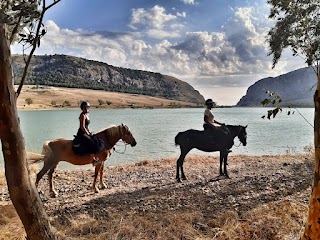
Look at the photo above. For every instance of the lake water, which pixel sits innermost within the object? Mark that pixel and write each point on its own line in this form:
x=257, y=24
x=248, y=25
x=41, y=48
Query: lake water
x=155, y=129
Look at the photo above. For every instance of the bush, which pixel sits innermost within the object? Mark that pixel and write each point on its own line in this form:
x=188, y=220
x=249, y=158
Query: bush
x=66, y=104
x=28, y=101
x=100, y=102
x=53, y=103
x=109, y=103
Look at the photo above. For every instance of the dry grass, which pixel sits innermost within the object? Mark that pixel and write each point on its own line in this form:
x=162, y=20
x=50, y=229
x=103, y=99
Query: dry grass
x=10, y=225
x=281, y=220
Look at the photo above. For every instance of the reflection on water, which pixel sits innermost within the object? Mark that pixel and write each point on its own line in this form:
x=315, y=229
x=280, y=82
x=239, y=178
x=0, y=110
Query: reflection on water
x=155, y=129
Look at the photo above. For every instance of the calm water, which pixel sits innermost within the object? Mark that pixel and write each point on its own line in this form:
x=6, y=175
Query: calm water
x=155, y=130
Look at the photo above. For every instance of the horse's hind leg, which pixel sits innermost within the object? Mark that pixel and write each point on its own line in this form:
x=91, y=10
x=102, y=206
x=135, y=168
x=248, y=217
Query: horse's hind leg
x=53, y=192
x=224, y=162
x=180, y=165
x=225, y=165
x=44, y=170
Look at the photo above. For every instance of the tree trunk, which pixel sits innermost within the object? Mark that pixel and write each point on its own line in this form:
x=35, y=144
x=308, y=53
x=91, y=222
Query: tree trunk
x=23, y=193
x=312, y=226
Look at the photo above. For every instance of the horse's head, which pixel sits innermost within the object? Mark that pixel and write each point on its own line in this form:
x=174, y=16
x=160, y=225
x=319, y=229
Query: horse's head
x=242, y=135
x=127, y=136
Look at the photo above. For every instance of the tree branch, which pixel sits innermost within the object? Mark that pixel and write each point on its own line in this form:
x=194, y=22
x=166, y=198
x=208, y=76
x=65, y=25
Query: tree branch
x=34, y=44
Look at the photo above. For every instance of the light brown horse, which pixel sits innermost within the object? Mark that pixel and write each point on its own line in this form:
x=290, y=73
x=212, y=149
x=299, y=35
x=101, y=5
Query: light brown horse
x=61, y=150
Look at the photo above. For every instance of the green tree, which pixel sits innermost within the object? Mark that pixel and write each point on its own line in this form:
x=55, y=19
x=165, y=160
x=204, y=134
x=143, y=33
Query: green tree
x=298, y=27
x=16, y=16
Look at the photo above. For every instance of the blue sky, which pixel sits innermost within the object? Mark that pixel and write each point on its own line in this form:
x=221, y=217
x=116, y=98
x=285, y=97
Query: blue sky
x=218, y=46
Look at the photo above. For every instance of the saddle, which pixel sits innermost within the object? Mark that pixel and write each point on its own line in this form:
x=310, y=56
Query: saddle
x=83, y=146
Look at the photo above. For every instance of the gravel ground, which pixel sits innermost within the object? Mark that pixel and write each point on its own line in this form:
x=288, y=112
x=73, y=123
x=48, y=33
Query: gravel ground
x=150, y=186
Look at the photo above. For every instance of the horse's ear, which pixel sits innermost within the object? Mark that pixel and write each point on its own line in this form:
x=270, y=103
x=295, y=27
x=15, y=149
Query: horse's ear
x=246, y=126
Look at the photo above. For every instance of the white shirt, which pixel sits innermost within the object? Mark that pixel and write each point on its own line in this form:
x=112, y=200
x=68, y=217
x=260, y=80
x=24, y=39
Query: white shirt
x=208, y=113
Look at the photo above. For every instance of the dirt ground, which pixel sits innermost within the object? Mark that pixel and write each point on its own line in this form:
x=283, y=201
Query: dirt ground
x=149, y=189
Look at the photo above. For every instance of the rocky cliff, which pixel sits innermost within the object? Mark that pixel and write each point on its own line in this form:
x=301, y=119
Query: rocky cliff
x=74, y=72
x=296, y=89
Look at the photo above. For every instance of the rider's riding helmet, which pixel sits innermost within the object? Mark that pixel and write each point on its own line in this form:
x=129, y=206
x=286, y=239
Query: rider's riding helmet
x=84, y=104
x=209, y=101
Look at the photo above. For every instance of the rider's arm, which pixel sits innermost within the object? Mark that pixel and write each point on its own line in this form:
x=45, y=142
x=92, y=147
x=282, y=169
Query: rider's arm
x=221, y=124
x=83, y=124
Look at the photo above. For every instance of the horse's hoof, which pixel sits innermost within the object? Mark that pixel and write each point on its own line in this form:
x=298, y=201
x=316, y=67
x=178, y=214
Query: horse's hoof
x=184, y=178
x=179, y=180
x=103, y=186
x=96, y=190
x=54, y=194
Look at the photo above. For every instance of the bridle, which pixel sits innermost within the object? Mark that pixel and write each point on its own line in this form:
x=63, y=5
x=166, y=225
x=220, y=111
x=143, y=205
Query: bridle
x=127, y=133
x=239, y=138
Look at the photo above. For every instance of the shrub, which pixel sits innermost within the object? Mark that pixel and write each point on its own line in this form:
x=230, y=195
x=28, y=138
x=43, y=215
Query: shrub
x=100, y=102
x=28, y=101
x=66, y=104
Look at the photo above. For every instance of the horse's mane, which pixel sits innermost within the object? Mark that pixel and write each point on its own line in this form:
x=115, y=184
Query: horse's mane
x=113, y=130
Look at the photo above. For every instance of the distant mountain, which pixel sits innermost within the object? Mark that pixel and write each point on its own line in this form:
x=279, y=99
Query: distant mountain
x=74, y=72
x=296, y=89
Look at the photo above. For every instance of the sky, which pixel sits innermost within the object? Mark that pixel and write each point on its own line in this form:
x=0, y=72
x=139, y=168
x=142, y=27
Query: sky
x=218, y=46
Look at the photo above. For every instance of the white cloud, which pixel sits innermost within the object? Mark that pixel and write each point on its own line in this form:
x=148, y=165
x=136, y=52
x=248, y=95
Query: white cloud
x=155, y=17
x=182, y=14
x=156, y=22
x=234, y=56
x=191, y=2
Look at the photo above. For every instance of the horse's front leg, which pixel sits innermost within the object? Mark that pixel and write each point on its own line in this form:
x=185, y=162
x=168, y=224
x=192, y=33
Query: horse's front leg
x=102, y=184
x=96, y=171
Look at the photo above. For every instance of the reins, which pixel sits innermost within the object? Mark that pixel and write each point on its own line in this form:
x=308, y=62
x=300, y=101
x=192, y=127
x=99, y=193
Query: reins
x=237, y=136
x=238, y=145
x=125, y=148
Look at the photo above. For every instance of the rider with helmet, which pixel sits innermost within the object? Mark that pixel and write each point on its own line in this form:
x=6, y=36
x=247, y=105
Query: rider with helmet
x=209, y=120
x=84, y=135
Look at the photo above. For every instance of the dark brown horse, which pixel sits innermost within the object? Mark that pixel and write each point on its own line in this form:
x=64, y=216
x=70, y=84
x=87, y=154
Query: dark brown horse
x=61, y=150
x=209, y=141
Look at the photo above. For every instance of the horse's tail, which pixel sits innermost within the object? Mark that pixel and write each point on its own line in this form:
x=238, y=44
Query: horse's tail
x=34, y=157
x=46, y=153
x=46, y=150
x=177, y=139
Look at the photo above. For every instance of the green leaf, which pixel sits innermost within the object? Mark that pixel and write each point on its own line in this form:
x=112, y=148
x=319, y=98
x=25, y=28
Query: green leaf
x=265, y=102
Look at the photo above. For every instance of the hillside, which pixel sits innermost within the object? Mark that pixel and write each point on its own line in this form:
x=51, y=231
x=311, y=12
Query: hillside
x=48, y=97
x=296, y=89
x=74, y=72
